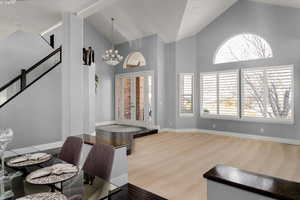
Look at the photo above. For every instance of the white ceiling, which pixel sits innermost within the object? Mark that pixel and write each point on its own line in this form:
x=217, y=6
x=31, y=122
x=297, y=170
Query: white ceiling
x=139, y=18
x=288, y=3
x=36, y=15
x=199, y=13
x=170, y=19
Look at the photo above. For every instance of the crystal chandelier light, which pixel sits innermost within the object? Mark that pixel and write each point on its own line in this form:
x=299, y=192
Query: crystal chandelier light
x=112, y=56
x=7, y=2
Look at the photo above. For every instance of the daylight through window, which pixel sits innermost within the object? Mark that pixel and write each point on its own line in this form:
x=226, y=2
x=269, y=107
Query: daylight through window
x=243, y=47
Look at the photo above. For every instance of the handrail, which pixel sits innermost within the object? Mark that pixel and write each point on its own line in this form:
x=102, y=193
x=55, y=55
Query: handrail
x=10, y=83
x=51, y=43
x=30, y=69
x=19, y=77
x=43, y=60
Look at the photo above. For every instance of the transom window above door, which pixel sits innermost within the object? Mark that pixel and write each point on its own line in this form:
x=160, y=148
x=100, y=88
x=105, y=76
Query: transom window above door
x=243, y=47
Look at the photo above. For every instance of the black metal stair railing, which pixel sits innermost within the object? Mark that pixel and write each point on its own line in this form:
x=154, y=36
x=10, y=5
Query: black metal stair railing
x=29, y=76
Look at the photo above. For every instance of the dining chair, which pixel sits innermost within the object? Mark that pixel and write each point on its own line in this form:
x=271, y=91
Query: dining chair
x=76, y=197
x=99, y=161
x=71, y=150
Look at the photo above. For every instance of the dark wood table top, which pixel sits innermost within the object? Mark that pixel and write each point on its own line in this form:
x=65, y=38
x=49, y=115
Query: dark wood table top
x=261, y=184
x=117, y=140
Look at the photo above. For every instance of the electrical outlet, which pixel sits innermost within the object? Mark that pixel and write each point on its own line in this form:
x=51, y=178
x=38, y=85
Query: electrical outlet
x=262, y=130
x=214, y=126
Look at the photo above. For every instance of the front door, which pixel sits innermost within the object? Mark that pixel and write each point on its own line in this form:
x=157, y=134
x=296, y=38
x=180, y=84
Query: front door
x=134, y=102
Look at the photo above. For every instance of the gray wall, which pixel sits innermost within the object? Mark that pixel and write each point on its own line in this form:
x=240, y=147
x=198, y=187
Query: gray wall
x=34, y=115
x=278, y=25
x=28, y=48
x=153, y=50
x=105, y=92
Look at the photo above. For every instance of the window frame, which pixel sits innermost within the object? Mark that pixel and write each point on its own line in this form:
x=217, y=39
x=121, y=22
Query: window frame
x=234, y=36
x=218, y=116
x=262, y=119
x=180, y=77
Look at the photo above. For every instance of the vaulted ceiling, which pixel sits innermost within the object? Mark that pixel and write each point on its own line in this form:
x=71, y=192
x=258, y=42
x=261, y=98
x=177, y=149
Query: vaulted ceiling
x=171, y=19
x=36, y=15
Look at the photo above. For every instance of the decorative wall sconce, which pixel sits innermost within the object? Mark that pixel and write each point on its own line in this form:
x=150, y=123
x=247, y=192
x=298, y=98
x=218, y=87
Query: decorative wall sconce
x=88, y=56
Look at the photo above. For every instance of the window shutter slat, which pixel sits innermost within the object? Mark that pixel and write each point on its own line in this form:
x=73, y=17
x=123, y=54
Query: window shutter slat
x=209, y=93
x=186, y=104
x=219, y=93
x=228, y=93
x=267, y=92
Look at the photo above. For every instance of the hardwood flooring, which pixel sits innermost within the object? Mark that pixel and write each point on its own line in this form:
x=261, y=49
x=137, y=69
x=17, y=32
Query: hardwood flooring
x=172, y=164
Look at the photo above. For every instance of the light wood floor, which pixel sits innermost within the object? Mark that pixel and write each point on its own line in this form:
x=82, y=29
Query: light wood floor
x=172, y=164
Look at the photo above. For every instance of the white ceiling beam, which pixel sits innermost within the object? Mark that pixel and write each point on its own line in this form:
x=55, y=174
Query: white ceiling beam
x=85, y=12
x=95, y=7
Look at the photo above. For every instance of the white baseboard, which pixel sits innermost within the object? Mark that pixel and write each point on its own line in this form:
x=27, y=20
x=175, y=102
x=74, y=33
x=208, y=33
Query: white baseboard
x=234, y=134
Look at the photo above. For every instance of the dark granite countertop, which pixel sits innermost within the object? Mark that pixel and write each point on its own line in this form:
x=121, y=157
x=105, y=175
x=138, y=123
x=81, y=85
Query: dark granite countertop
x=256, y=183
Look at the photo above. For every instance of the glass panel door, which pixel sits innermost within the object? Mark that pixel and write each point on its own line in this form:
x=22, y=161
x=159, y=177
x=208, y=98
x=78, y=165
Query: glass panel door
x=140, y=103
x=128, y=104
x=134, y=97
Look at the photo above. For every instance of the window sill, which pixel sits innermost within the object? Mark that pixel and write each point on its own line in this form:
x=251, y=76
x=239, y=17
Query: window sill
x=250, y=119
x=187, y=115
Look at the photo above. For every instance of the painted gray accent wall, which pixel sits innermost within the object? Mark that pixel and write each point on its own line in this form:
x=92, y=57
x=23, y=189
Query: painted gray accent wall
x=170, y=84
x=105, y=93
x=278, y=25
x=160, y=84
x=19, y=51
x=34, y=115
x=105, y=106
x=186, y=63
x=152, y=48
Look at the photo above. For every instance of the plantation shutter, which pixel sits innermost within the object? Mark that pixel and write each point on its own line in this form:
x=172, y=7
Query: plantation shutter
x=186, y=97
x=209, y=97
x=267, y=92
x=228, y=93
x=253, y=101
x=280, y=91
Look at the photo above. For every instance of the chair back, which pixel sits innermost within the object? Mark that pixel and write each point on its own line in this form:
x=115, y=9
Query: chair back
x=71, y=150
x=99, y=161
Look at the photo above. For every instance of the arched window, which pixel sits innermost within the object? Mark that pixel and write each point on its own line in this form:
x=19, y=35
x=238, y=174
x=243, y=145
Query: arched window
x=134, y=59
x=243, y=47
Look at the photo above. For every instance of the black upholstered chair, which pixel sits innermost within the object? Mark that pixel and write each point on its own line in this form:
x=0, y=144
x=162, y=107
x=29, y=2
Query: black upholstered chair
x=99, y=161
x=71, y=150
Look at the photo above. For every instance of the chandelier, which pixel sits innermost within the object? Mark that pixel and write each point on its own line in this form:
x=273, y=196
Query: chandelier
x=112, y=56
x=7, y=2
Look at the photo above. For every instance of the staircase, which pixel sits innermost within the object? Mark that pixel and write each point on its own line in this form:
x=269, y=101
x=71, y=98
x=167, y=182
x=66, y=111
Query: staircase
x=29, y=76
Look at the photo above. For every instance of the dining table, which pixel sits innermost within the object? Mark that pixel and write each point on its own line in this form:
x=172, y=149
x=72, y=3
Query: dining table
x=80, y=186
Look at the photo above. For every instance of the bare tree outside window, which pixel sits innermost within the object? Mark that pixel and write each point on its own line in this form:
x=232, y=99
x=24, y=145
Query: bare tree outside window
x=243, y=47
x=268, y=92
